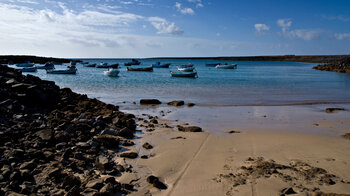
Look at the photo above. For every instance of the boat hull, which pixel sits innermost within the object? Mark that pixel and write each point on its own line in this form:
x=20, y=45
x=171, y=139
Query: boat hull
x=184, y=74
x=140, y=69
x=68, y=71
x=29, y=69
x=25, y=65
x=161, y=65
x=232, y=66
x=90, y=65
x=112, y=73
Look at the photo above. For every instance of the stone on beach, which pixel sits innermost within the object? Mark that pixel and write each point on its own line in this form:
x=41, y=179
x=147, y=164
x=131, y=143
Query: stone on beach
x=129, y=154
x=176, y=103
x=189, y=128
x=333, y=110
x=156, y=182
x=150, y=102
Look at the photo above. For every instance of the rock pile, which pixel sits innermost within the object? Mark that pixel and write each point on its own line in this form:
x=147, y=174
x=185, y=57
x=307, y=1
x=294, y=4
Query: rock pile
x=342, y=66
x=56, y=142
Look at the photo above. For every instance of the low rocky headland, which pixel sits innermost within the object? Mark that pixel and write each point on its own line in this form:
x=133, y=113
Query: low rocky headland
x=341, y=66
x=56, y=142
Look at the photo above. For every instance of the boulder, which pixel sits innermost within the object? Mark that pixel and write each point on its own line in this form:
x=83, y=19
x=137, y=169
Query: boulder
x=45, y=135
x=149, y=101
x=147, y=146
x=95, y=184
x=347, y=136
x=176, y=103
x=191, y=104
x=189, y=128
x=333, y=110
x=129, y=154
x=156, y=182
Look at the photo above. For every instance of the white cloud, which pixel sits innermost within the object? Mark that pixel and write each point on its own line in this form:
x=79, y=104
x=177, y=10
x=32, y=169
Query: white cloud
x=24, y=1
x=284, y=23
x=218, y=34
x=198, y=3
x=184, y=10
x=165, y=27
x=342, y=36
x=261, y=27
x=305, y=34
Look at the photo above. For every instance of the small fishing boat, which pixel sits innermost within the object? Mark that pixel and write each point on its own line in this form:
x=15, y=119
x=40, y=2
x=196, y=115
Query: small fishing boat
x=133, y=62
x=90, y=65
x=212, y=64
x=183, y=66
x=25, y=64
x=111, y=72
x=84, y=63
x=159, y=65
x=184, y=74
x=185, y=69
x=105, y=65
x=47, y=66
x=102, y=65
x=140, y=69
x=226, y=66
x=28, y=69
x=69, y=70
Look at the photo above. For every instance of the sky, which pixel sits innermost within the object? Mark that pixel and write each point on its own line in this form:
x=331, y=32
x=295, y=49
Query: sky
x=173, y=28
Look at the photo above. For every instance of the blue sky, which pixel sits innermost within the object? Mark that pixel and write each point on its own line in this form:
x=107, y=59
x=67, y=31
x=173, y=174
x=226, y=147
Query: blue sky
x=158, y=28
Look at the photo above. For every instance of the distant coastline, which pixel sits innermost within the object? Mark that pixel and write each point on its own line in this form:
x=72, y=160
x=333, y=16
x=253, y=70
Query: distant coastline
x=4, y=59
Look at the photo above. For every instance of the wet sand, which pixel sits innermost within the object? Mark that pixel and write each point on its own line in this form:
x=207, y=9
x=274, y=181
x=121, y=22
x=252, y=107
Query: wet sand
x=297, y=147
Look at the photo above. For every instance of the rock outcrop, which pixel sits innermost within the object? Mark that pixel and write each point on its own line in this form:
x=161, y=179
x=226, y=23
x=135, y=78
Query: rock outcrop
x=56, y=142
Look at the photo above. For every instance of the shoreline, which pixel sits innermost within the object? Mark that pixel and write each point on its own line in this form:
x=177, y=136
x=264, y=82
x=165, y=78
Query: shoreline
x=298, y=147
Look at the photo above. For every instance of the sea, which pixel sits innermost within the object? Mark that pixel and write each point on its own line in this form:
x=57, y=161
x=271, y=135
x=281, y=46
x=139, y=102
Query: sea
x=252, y=83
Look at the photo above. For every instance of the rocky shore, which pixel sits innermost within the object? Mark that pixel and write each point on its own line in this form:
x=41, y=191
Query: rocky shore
x=56, y=142
x=341, y=66
x=22, y=58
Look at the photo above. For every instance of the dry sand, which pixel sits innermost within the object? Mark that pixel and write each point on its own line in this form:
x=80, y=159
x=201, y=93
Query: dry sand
x=300, y=148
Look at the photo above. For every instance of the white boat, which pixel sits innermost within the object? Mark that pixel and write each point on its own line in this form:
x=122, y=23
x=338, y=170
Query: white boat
x=111, y=72
x=69, y=70
x=185, y=69
x=226, y=66
x=25, y=64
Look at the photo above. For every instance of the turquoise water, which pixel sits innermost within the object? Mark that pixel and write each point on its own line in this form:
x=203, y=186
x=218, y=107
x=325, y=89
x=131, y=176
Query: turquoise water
x=252, y=83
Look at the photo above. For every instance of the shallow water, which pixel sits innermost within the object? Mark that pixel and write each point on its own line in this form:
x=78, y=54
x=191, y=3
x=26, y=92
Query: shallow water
x=252, y=83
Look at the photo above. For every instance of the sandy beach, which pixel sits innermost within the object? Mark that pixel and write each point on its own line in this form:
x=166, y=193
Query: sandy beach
x=297, y=148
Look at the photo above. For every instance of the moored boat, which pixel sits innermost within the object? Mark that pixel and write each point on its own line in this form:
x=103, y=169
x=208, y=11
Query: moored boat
x=183, y=66
x=111, y=72
x=105, y=65
x=140, y=69
x=25, y=64
x=28, y=69
x=47, y=66
x=226, y=66
x=133, y=62
x=212, y=64
x=69, y=70
x=159, y=65
x=185, y=69
x=90, y=65
x=184, y=74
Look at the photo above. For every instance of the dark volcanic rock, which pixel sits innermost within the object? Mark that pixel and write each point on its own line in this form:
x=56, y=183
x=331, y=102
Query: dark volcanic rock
x=53, y=141
x=189, y=128
x=176, y=103
x=149, y=101
x=332, y=110
x=130, y=155
x=347, y=136
x=288, y=191
x=147, y=146
x=191, y=104
x=156, y=182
